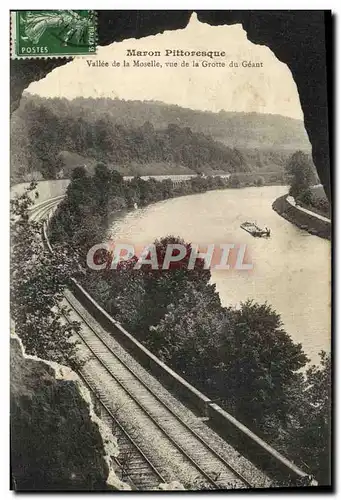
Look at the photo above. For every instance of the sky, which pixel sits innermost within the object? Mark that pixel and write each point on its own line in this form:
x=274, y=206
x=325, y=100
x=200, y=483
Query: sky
x=267, y=89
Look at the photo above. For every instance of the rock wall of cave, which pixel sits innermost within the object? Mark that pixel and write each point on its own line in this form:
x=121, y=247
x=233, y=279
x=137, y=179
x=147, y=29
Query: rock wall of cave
x=57, y=444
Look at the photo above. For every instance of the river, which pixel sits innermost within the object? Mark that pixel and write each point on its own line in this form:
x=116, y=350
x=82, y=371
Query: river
x=291, y=270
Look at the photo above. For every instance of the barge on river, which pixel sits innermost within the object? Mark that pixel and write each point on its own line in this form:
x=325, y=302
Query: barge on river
x=254, y=230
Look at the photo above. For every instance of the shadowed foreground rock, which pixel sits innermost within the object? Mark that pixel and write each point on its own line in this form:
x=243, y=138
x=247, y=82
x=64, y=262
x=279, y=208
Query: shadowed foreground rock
x=54, y=444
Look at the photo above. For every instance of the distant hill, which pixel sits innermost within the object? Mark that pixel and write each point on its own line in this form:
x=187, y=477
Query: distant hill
x=147, y=136
x=246, y=130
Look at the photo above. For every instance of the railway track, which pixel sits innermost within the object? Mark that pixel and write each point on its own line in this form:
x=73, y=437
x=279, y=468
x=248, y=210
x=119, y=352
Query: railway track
x=132, y=462
x=135, y=466
x=40, y=211
x=205, y=464
x=184, y=454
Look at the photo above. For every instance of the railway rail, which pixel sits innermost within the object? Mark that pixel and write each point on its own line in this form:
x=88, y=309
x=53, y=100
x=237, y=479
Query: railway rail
x=211, y=469
x=186, y=455
x=40, y=211
x=135, y=466
x=140, y=471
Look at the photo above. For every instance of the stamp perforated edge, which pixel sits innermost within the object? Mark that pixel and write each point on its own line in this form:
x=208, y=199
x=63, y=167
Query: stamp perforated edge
x=14, y=56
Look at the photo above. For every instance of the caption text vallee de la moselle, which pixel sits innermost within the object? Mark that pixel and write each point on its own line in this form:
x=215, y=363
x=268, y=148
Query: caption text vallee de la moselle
x=213, y=58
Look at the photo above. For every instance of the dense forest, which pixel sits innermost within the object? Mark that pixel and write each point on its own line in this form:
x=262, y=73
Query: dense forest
x=49, y=137
x=240, y=356
x=236, y=129
x=304, y=184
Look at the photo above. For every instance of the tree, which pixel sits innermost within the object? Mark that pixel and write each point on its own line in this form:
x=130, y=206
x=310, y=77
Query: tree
x=260, y=181
x=188, y=334
x=234, y=181
x=80, y=191
x=127, y=298
x=301, y=173
x=44, y=135
x=38, y=279
x=139, y=298
x=102, y=185
x=198, y=184
x=259, y=361
x=310, y=441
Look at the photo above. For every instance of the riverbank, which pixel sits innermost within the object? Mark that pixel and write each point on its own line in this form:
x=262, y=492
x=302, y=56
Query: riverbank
x=303, y=220
x=216, y=216
x=315, y=199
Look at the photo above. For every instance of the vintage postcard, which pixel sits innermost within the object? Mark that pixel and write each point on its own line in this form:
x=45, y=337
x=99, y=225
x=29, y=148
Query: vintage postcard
x=170, y=250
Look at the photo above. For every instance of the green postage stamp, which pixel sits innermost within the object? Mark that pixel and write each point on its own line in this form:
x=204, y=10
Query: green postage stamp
x=53, y=33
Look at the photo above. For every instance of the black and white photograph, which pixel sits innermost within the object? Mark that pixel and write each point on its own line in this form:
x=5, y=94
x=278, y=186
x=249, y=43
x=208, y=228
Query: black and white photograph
x=170, y=267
